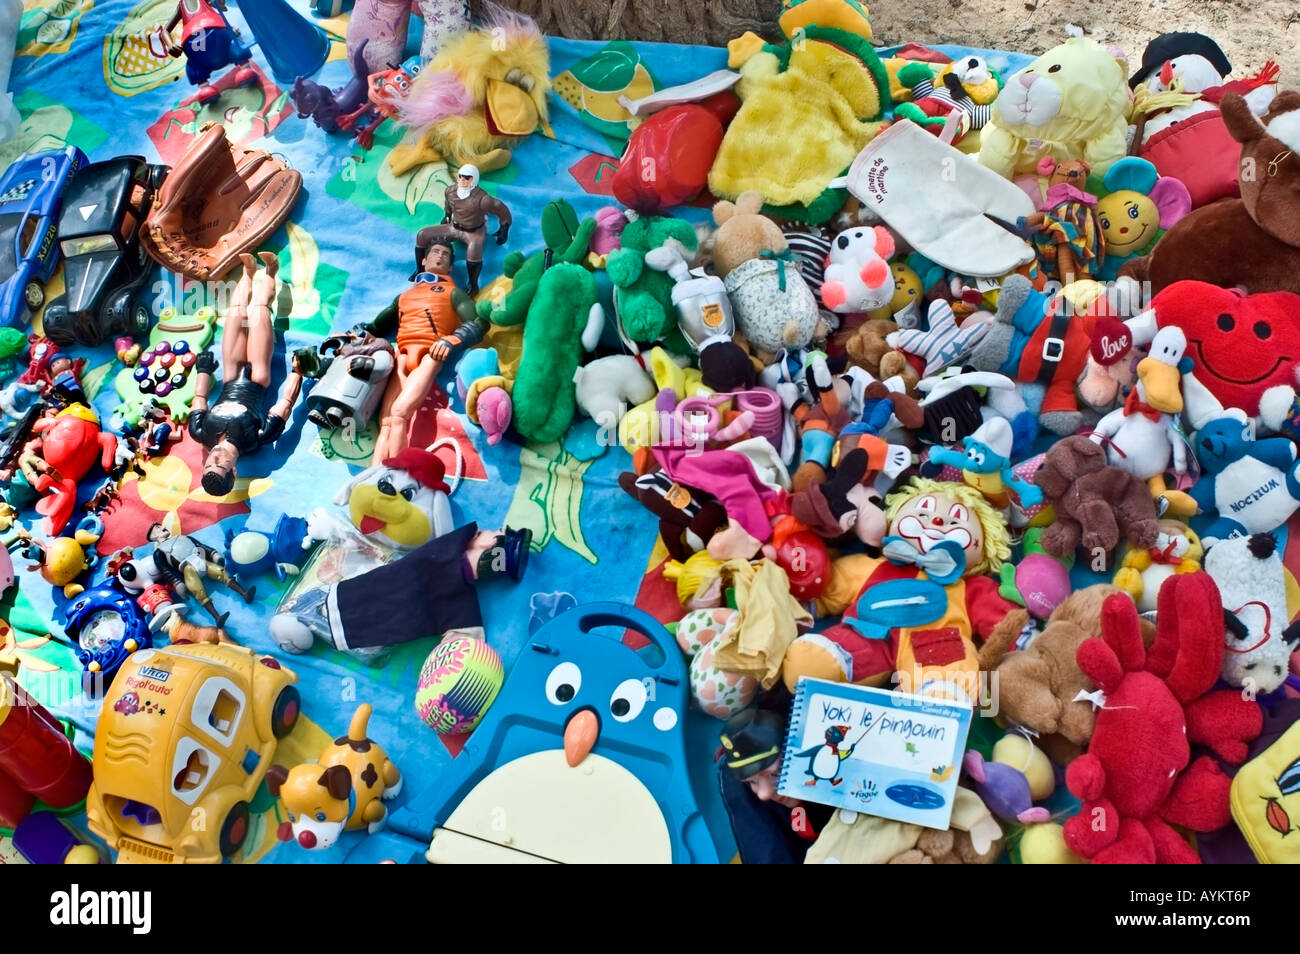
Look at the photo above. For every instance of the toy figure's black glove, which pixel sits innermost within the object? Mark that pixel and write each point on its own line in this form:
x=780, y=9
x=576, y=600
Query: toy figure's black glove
x=206, y=363
x=503, y=233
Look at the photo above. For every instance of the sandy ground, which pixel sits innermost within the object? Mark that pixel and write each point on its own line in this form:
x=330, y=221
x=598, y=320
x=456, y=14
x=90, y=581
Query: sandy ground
x=1249, y=31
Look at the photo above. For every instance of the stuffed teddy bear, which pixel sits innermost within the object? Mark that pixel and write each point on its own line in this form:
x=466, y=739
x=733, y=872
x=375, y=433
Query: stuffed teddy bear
x=1093, y=503
x=1066, y=234
x=857, y=277
x=1040, y=686
x=1253, y=242
x=1252, y=582
x=1143, y=571
x=1070, y=103
x=1138, y=207
x=1137, y=777
x=774, y=307
x=1249, y=486
x=809, y=106
x=643, y=295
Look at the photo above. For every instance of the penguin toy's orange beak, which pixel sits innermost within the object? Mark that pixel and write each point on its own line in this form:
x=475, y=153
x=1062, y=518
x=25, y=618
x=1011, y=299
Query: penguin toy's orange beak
x=580, y=736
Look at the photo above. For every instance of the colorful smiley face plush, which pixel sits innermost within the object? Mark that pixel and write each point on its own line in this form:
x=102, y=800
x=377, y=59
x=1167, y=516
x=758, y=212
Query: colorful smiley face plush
x=1241, y=344
x=1139, y=204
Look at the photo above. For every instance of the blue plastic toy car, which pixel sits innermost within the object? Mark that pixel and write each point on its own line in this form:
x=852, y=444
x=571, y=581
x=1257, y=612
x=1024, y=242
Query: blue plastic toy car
x=31, y=193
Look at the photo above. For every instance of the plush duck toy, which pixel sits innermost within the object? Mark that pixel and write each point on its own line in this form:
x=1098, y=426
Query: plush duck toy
x=1142, y=436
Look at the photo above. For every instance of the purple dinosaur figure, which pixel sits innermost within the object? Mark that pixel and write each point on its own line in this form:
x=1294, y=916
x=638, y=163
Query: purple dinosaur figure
x=327, y=107
x=1004, y=789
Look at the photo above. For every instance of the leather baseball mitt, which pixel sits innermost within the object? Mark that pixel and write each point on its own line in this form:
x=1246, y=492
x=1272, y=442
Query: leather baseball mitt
x=219, y=200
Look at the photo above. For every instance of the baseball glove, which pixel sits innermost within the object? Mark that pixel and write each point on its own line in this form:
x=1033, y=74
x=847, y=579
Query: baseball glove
x=220, y=200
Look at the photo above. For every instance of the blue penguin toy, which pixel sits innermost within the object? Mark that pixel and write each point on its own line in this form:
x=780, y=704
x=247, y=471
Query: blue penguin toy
x=581, y=759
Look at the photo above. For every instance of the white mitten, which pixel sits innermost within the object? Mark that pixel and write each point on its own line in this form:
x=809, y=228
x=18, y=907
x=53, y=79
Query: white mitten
x=939, y=200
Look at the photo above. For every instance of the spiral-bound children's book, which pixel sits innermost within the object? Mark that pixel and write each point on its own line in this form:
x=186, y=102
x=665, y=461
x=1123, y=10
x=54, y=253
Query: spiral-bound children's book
x=874, y=751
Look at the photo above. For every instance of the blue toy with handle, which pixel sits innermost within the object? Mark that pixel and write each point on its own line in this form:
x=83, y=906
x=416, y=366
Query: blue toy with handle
x=581, y=758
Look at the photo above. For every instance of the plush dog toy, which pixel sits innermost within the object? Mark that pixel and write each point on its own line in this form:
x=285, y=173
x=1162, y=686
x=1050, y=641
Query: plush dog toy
x=1040, y=687
x=1138, y=778
x=1094, y=504
x=344, y=790
x=1252, y=582
x=1252, y=242
x=1250, y=486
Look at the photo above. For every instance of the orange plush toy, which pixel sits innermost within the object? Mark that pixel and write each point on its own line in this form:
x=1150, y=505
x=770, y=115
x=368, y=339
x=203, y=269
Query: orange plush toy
x=1137, y=777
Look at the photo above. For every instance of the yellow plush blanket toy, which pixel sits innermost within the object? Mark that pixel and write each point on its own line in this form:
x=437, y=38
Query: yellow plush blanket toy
x=809, y=106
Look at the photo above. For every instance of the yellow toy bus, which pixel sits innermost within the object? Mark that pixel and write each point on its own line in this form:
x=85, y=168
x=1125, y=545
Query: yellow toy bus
x=185, y=738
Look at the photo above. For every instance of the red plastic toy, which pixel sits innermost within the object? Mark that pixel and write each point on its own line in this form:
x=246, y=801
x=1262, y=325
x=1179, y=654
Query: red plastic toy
x=64, y=448
x=37, y=760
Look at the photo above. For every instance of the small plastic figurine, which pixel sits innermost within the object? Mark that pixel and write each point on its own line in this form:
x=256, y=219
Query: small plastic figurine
x=433, y=319
x=184, y=560
x=237, y=423
x=209, y=43
x=466, y=208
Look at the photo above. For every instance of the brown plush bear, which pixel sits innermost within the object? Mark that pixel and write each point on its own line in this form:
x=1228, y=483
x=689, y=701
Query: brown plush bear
x=1252, y=242
x=1094, y=504
x=865, y=346
x=1037, y=686
x=773, y=305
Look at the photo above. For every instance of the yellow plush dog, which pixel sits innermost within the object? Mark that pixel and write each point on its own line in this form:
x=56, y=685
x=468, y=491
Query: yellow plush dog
x=344, y=791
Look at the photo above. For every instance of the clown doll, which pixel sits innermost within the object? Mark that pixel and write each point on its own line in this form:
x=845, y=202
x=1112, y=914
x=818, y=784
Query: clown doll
x=911, y=615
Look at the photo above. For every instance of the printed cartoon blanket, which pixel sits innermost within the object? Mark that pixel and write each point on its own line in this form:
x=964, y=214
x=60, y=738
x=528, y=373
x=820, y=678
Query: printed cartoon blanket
x=95, y=73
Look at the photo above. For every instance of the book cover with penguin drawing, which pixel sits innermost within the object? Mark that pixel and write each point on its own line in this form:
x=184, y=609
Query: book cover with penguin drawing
x=874, y=751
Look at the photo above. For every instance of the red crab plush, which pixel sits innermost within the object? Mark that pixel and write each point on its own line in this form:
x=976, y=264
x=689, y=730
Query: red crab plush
x=1135, y=780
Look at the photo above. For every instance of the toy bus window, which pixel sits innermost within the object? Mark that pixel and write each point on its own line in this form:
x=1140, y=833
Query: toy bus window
x=219, y=709
x=194, y=773
x=30, y=236
x=224, y=711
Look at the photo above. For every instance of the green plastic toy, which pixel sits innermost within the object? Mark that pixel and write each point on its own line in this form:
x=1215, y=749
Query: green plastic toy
x=164, y=372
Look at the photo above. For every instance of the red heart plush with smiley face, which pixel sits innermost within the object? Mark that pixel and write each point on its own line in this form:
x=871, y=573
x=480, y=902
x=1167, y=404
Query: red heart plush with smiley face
x=1242, y=344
